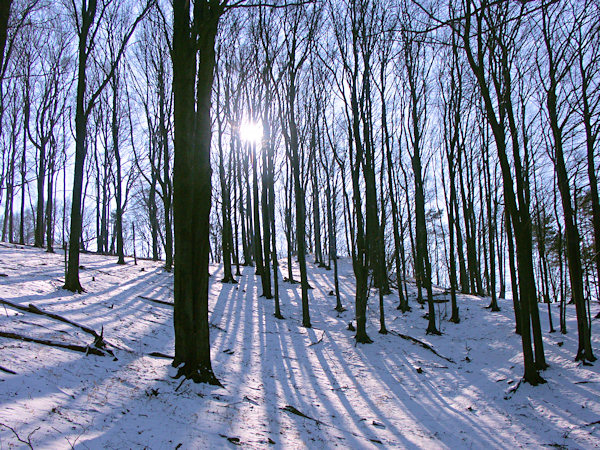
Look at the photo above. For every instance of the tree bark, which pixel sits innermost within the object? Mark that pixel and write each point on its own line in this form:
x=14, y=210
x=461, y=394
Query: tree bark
x=192, y=88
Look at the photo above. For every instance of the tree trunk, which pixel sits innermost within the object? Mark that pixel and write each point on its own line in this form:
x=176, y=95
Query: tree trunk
x=4, y=14
x=258, y=256
x=50, y=207
x=72, y=277
x=519, y=215
x=192, y=184
x=300, y=202
x=266, y=218
x=167, y=186
x=39, y=210
x=118, y=187
x=584, y=349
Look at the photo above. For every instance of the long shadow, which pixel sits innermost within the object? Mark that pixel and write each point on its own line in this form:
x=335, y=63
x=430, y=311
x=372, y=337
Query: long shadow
x=311, y=378
x=277, y=363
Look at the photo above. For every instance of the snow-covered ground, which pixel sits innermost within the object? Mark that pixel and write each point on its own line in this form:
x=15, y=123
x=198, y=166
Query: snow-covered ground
x=392, y=393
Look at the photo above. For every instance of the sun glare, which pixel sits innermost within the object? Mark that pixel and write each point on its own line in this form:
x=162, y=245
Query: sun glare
x=251, y=131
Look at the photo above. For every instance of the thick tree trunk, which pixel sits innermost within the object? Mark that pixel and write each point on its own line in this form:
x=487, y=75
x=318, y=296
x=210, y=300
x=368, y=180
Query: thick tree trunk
x=236, y=247
x=4, y=14
x=519, y=215
x=23, y=170
x=513, y=271
x=226, y=237
x=455, y=317
x=331, y=225
x=152, y=216
x=271, y=214
x=316, y=206
x=192, y=184
x=360, y=261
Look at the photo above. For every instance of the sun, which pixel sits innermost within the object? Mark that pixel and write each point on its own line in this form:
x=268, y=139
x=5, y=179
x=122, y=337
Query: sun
x=251, y=132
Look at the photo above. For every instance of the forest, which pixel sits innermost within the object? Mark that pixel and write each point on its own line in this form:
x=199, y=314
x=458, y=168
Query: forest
x=402, y=160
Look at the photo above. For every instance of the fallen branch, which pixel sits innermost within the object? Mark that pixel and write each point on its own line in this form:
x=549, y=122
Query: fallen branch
x=4, y=369
x=217, y=327
x=585, y=425
x=319, y=341
x=438, y=294
x=154, y=300
x=160, y=355
x=74, y=347
x=293, y=410
x=99, y=341
x=422, y=344
x=26, y=442
x=512, y=390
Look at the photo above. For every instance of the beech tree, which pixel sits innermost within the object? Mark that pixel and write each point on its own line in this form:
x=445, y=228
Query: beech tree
x=414, y=61
x=556, y=35
x=498, y=53
x=88, y=20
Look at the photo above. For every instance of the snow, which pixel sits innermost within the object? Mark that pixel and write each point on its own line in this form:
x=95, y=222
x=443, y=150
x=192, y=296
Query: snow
x=392, y=393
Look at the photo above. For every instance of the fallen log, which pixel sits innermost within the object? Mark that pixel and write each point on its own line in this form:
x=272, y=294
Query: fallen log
x=154, y=300
x=160, y=355
x=422, y=344
x=99, y=341
x=77, y=348
x=4, y=369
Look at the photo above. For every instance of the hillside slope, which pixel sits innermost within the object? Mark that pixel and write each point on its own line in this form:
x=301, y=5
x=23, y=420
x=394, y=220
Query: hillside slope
x=284, y=385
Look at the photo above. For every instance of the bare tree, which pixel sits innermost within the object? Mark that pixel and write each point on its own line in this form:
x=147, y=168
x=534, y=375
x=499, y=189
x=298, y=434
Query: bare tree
x=88, y=18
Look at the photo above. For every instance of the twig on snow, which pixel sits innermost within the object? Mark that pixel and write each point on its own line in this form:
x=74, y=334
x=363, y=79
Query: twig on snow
x=512, y=390
x=26, y=442
x=293, y=410
x=585, y=425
